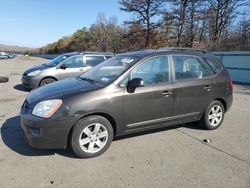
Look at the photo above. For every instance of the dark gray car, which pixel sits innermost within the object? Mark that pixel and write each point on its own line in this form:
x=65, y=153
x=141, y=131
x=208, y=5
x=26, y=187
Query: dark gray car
x=128, y=93
x=65, y=66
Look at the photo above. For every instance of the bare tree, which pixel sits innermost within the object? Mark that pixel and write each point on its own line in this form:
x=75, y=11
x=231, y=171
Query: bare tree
x=186, y=16
x=180, y=14
x=220, y=12
x=243, y=34
x=145, y=11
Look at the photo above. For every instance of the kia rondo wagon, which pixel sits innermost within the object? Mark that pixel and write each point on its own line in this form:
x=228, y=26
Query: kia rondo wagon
x=128, y=93
x=64, y=66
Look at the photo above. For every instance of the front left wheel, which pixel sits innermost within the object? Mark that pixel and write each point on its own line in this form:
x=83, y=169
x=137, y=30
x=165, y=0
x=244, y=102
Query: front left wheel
x=46, y=81
x=91, y=136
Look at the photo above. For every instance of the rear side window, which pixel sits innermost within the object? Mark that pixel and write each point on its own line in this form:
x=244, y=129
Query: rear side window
x=216, y=67
x=188, y=67
x=94, y=60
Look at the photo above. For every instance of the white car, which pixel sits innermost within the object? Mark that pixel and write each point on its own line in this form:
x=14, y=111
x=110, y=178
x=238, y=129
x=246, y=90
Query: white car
x=3, y=55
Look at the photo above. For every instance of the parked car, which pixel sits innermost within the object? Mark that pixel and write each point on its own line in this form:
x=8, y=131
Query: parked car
x=3, y=55
x=11, y=55
x=65, y=66
x=128, y=93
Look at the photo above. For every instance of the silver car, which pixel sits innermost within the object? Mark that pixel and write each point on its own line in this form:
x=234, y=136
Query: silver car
x=3, y=55
x=65, y=66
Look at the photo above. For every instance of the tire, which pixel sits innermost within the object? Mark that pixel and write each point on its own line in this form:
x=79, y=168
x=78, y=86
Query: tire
x=213, y=116
x=87, y=140
x=46, y=81
x=4, y=79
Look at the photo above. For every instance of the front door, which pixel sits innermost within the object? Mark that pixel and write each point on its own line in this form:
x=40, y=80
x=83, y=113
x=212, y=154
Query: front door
x=72, y=67
x=150, y=105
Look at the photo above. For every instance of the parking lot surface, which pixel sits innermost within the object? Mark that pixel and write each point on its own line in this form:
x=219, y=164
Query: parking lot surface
x=170, y=157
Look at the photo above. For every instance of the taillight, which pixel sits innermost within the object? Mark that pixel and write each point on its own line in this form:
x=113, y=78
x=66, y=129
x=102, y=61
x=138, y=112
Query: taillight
x=232, y=86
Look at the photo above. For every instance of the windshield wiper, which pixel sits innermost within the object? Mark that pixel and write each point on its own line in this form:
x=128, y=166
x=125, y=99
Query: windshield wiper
x=88, y=79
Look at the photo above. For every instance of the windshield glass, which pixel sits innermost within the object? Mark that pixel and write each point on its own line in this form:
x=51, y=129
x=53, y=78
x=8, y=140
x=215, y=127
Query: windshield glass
x=109, y=70
x=57, y=60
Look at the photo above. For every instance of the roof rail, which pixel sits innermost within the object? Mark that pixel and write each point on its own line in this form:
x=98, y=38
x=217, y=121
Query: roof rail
x=101, y=53
x=182, y=49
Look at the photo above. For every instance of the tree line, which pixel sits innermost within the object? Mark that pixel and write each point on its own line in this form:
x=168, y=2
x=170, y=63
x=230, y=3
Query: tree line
x=207, y=24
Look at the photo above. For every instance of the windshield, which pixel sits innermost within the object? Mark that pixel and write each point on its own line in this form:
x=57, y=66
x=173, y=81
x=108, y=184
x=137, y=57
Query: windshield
x=57, y=60
x=109, y=70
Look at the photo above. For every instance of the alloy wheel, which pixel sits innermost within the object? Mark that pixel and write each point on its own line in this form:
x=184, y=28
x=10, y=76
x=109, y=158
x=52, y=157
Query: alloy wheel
x=93, y=138
x=46, y=82
x=215, y=115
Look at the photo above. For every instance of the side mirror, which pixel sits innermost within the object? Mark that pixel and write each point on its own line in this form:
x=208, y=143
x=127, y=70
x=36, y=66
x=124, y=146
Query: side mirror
x=63, y=66
x=134, y=83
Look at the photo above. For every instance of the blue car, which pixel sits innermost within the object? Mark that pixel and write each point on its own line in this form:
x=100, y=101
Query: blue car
x=11, y=55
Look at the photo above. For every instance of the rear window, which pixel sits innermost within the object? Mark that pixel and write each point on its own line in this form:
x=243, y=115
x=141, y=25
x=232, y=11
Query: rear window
x=216, y=67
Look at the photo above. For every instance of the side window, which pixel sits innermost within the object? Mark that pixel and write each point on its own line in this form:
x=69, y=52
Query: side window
x=108, y=56
x=153, y=71
x=74, y=62
x=214, y=65
x=188, y=67
x=94, y=60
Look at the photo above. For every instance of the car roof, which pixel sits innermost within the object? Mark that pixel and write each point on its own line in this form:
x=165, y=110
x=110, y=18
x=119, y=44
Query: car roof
x=168, y=51
x=71, y=53
x=89, y=53
x=96, y=53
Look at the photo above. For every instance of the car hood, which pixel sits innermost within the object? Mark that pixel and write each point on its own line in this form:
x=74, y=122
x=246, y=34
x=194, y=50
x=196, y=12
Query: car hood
x=38, y=67
x=60, y=89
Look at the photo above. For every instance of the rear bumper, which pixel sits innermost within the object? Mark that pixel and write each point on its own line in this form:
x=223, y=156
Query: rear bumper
x=229, y=102
x=46, y=134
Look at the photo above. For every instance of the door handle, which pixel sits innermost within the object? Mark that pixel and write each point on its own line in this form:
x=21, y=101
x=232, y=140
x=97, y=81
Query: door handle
x=167, y=93
x=208, y=87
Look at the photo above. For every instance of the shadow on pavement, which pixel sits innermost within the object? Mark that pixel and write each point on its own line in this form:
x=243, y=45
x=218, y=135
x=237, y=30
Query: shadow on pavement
x=13, y=137
x=20, y=87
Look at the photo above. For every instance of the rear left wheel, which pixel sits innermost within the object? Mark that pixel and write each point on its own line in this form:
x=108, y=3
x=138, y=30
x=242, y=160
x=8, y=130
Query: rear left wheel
x=213, y=116
x=91, y=136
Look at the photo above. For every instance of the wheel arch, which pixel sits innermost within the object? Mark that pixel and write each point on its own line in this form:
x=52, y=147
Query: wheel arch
x=105, y=115
x=223, y=102
x=46, y=78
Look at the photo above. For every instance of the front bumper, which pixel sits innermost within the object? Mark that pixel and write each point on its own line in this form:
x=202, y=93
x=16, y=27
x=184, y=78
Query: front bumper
x=31, y=82
x=46, y=133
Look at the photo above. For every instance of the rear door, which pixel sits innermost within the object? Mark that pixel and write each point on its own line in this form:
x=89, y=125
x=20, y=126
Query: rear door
x=73, y=67
x=193, y=86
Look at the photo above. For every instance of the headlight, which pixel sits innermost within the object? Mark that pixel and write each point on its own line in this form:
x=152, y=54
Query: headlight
x=34, y=73
x=46, y=109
